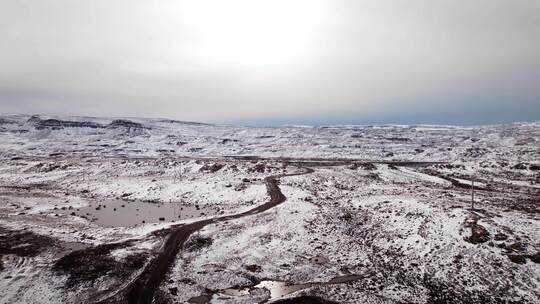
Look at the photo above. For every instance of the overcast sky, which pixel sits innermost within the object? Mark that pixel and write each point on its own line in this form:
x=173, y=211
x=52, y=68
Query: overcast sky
x=273, y=62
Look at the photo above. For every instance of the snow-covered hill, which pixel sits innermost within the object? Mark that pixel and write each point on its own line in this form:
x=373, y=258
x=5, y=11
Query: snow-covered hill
x=376, y=214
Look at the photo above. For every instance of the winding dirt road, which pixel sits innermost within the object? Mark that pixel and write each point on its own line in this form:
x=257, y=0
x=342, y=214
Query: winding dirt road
x=143, y=288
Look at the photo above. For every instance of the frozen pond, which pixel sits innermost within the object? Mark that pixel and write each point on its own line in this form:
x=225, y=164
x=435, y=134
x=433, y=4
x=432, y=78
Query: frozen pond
x=120, y=213
x=279, y=289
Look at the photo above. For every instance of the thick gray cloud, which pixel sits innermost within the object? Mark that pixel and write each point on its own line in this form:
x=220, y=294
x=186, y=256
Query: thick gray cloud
x=274, y=61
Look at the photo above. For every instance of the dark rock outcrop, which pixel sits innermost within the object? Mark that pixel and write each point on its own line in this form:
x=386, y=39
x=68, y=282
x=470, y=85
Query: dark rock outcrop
x=127, y=126
x=57, y=124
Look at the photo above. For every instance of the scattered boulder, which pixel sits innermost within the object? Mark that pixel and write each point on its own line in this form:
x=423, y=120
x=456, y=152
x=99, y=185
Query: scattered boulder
x=305, y=300
x=211, y=168
x=368, y=166
x=520, y=166
x=260, y=167
x=253, y=268
x=226, y=140
x=535, y=257
x=173, y=291
x=516, y=247
x=479, y=234
x=517, y=258
x=198, y=242
x=202, y=299
x=500, y=236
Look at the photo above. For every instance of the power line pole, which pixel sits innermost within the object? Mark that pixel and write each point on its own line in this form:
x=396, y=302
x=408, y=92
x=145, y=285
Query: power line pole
x=472, y=194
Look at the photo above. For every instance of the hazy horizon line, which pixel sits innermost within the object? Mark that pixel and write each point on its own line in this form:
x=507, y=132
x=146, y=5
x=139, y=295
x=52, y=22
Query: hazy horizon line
x=287, y=121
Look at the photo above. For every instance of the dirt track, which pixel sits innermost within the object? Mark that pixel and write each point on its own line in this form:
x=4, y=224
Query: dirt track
x=142, y=289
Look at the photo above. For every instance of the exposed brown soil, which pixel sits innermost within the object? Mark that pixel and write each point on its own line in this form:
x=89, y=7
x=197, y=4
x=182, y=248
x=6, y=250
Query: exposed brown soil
x=92, y=263
x=23, y=243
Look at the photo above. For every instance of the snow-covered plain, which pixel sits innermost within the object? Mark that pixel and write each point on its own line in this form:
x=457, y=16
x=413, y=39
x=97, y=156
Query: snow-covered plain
x=389, y=205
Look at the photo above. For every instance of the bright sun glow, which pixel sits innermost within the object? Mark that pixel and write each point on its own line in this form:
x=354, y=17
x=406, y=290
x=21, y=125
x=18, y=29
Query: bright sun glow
x=253, y=32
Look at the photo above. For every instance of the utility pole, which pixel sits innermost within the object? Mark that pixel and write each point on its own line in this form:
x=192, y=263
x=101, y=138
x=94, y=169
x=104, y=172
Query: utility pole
x=472, y=194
